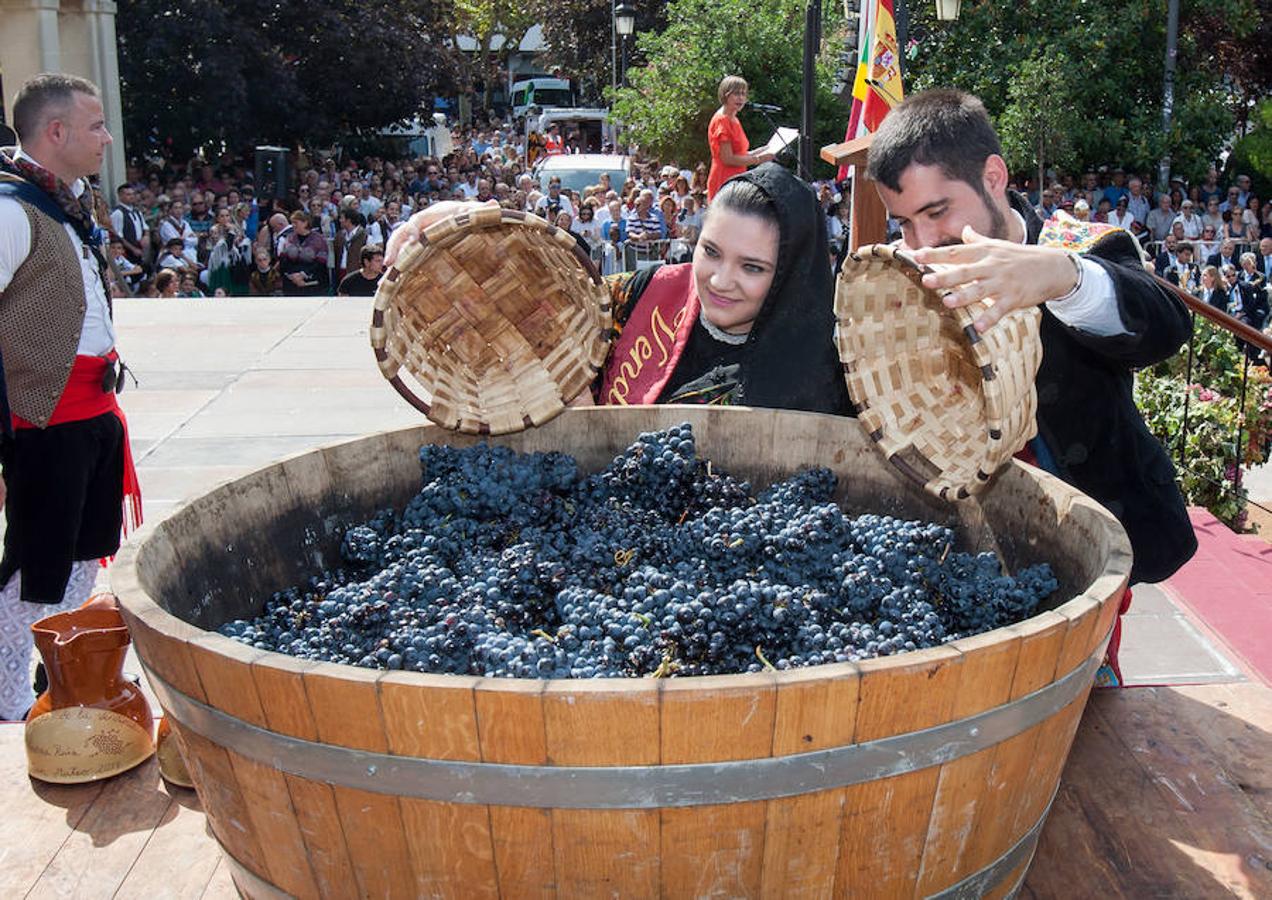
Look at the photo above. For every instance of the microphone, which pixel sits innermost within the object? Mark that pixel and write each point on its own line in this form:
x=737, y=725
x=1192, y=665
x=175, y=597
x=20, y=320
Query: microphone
x=766, y=107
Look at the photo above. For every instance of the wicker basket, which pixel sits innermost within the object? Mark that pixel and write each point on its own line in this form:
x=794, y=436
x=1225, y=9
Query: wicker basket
x=946, y=405
x=498, y=316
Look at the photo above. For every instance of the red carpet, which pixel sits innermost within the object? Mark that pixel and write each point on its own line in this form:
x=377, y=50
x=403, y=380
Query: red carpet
x=1228, y=586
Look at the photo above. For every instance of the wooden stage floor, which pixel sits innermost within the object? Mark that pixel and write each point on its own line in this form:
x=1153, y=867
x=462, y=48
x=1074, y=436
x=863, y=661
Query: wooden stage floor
x=1168, y=794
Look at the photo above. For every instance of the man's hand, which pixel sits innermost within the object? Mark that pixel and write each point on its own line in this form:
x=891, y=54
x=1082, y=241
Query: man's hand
x=409, y=231
x=298, y=279
x=1013, y=276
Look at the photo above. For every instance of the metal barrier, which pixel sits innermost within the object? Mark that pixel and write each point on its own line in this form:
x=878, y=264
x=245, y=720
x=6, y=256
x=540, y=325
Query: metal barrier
x=1153, y=248
x=632, y=256
x=1256, y=349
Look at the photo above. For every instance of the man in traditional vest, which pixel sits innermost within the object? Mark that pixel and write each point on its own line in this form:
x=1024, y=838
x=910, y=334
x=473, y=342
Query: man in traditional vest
x=129, y=225
x=937, y=164
x=65, y=447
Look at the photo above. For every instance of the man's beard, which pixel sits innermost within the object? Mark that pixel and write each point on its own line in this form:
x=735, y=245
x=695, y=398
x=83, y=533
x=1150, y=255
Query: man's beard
x=997, y=223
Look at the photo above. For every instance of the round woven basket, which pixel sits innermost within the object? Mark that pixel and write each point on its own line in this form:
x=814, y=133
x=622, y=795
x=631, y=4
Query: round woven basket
x=947, y=405
x=500, y=318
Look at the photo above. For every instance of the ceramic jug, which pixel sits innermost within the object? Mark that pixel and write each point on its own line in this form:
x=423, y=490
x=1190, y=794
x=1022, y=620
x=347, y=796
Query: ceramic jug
x=92, y=722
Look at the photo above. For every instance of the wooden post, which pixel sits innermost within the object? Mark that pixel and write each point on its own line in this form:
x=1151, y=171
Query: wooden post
x=869, y=218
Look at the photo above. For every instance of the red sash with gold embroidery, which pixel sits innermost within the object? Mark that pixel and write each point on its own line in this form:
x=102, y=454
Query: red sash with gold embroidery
x=646, y=353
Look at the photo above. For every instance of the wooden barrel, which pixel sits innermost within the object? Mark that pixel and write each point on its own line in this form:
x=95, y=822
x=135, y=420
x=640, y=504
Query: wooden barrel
x=925, y=774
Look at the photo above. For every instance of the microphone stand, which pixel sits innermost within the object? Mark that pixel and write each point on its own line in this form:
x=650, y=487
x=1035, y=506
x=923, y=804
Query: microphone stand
x=762, y=110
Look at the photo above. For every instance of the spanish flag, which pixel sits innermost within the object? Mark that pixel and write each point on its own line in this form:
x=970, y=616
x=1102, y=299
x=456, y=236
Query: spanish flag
x=877, y=87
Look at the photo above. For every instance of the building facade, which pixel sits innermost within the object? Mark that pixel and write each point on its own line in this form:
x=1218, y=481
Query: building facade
x=74, y=36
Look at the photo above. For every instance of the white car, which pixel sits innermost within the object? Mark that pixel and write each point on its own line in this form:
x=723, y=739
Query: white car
x=580, y=170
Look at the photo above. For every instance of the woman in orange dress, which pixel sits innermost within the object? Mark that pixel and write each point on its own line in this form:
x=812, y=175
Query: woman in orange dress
x=730, y=154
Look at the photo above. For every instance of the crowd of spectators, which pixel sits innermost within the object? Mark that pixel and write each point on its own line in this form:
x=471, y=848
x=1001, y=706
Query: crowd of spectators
x=1206, y=214
x=204, y=229
x=215, y=233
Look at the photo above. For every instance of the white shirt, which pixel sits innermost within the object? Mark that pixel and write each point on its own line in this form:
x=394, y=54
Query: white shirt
x=1093, y=308
x=468, y=190
x=563, y=201
x=117, y=221
x=97, y=336
x=170, y=228
x=1192, y=225
x=1125, y=220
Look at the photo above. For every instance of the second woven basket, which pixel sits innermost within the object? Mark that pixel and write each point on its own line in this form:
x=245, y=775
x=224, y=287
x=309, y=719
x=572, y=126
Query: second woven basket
x=498, y=316
x=947, y=405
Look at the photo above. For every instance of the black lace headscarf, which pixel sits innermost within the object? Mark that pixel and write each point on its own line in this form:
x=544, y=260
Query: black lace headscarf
x=790, y=360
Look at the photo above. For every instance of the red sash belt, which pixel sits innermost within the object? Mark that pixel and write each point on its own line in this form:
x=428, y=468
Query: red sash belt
x=84, y=399
x=651, y=343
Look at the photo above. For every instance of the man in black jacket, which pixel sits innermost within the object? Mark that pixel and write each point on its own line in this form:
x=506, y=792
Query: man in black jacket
x=938, y=166
x=1227, y=255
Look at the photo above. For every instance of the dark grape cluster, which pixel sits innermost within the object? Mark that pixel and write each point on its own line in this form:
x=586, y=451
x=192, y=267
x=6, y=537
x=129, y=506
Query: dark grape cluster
x=518, y=565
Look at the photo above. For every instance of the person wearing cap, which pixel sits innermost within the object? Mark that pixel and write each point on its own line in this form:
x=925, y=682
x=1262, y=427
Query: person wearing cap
x=730, y=149
x=1190, y=220
x=938, y=167
x=1082, y=211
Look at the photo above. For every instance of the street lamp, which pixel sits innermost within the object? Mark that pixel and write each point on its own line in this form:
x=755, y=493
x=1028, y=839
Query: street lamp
x=947, y=10
x=624, y=18
x=624, y=24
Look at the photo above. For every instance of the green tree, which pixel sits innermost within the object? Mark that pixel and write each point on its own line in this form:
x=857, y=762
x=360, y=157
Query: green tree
x=672, y=97
x=201, y=73
x=1252, y=155
x=1108, y=60
x=1039, y=117
x=483, y=21
x=579, y=38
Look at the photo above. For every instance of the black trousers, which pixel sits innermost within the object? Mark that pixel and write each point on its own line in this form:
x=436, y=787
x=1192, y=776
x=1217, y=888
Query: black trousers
x=65, y=488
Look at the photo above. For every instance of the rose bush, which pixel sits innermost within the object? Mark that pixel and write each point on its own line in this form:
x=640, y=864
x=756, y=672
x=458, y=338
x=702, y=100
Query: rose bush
x=1207, y=462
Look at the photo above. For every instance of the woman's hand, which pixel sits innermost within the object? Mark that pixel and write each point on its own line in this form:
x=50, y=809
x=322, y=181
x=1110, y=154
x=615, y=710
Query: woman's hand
x=409, y=231
x=1014, y=276
x=758, y=158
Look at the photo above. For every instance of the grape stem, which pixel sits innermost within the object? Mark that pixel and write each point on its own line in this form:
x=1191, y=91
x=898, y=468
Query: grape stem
x=759, y=651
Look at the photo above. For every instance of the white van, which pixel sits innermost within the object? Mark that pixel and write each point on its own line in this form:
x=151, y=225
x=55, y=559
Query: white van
x=540, y=92
x=593, y=129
